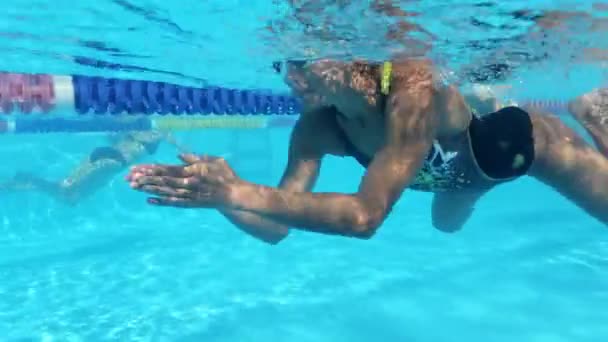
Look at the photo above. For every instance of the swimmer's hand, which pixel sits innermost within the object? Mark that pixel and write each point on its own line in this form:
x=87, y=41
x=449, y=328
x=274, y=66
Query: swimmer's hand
x=202, y=182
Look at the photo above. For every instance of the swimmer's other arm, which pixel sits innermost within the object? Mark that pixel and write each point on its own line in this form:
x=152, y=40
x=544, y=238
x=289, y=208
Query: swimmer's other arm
x=410, y=131
x=300, y=175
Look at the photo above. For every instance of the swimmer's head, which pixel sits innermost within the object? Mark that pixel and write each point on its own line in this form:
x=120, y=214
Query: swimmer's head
x=294, y=73
x=310, y=78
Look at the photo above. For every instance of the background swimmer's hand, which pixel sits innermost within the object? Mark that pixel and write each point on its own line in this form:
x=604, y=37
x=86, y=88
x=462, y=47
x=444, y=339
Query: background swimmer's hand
x=203, y=182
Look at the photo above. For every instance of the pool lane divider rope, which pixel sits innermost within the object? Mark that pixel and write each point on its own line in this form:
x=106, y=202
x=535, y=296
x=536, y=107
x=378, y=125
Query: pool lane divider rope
x=35, y=93
x=118, y=124
x=93, y=104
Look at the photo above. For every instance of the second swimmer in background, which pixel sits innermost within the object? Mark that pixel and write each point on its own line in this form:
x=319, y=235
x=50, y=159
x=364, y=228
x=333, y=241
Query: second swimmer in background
x=95, y=171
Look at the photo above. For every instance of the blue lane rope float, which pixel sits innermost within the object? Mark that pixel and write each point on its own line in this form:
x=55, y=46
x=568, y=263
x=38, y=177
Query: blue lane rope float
x=114, y=96
x=81, y=95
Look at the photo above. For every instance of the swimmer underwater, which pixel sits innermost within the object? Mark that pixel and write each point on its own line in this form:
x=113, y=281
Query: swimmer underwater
x=95, y=171
x=409, y=131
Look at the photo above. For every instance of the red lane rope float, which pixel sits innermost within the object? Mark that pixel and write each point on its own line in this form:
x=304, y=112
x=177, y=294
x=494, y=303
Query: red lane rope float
x=27, y=92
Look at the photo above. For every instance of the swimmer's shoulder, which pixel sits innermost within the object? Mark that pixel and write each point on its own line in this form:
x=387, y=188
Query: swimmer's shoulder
x=408, y=69
x=415, y=76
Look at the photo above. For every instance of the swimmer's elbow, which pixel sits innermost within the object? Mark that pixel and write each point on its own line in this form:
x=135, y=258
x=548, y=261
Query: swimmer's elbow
x=366, y=224
x=271, y=235
x=274, y=239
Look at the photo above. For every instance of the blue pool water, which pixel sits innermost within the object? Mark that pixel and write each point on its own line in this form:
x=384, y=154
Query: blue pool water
x=529, y=265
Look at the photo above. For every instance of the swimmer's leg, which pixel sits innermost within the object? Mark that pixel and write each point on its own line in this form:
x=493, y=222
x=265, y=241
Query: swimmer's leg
x=94, y=172
x=90, y=175
x=65, y=190
x=451, y=210
x=87, y=178
x=591, y=111
x=569, y=165
x=23, y=181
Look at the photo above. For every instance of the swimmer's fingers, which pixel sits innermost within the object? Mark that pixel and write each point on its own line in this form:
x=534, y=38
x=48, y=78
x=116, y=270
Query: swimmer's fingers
x=190, y=158
x=171, y=182
x=165, y=191
x=157, y=170
x=173, y=202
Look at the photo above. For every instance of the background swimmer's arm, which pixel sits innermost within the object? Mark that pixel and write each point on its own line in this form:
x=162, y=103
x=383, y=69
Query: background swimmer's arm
x=411, y=124
x=301, y=173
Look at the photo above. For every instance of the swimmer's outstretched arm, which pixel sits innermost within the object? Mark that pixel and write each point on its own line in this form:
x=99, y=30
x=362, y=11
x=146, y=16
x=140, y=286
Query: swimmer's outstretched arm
x=411, y=131
x=411, y=124
x=362, y=213
x=300, y=175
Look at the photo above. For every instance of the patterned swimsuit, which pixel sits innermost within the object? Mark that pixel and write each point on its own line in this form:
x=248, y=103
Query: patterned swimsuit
x=440, y=171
